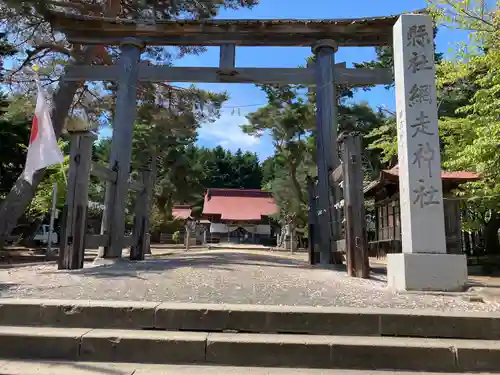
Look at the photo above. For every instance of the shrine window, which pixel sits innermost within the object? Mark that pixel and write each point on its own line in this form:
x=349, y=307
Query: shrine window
x=389, y=221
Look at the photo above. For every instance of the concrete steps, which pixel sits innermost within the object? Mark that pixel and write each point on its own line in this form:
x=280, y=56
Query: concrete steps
x=235, y=349
x=272, y=336
x=249, y=318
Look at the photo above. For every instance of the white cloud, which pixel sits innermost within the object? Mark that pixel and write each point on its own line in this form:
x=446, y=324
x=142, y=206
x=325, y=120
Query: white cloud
x=227, y=133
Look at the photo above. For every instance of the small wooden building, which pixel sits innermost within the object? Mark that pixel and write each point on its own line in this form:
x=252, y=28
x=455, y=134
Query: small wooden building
x=385, y=192
x=181, y=211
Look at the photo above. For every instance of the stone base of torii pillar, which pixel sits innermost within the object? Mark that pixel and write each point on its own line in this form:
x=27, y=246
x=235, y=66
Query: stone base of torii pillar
x=424, y=263
x=431, y=272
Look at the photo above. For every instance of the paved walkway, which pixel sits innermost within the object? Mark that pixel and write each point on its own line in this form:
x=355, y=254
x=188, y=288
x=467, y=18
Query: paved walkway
x=218, y=276
x=94, y=368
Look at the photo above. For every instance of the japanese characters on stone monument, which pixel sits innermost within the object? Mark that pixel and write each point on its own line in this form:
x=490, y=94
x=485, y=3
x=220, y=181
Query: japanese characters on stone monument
x=422, y=218
x=424, y=263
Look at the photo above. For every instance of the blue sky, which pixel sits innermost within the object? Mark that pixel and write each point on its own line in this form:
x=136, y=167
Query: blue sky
x=248, y=98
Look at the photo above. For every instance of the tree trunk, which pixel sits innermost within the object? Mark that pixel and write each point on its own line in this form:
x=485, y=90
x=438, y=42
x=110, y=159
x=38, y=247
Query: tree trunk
x=492, y=243
x=295, y=183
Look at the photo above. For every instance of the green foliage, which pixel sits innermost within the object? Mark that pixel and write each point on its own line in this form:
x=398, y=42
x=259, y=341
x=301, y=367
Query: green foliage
x=288, y=118
x=15, y=128
x=270, y=169
x=176, y=237
x=385, y=58
x=6, y=50
x=472, y=134
x=365, y=120
x=183, y=170
x=472, y=141
x=56, y=174
x=384, y=139
x=185, y=174
x=475, y=16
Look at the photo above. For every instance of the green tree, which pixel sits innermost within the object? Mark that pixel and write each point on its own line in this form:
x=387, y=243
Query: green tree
x=288, y=118
x=472, y=137
x=15, y=128
x=25, y=24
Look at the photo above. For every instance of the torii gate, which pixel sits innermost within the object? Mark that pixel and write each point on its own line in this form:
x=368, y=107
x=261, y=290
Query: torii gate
x=323, y=36
x=424, y=263
x=422, y=217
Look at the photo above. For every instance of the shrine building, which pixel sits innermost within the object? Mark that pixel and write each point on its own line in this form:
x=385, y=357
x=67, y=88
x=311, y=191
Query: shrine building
x=385, y=192
x=239, y=215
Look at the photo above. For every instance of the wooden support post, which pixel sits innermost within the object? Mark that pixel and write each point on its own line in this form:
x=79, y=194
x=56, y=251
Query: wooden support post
x=355, y=228
x=227, y=56
x=292, y=236
x=109, y=197
x=121, y=148
x=141, y=217
x=74, y=223
x=149, y=190
x=313, y=214
x=327, y=157
x=187, y=234
x=337, y=175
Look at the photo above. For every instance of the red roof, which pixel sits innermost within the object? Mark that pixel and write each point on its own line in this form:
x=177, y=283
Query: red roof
x=239, y=204
x=458, y=176
x=181, y=211
x=391, y=176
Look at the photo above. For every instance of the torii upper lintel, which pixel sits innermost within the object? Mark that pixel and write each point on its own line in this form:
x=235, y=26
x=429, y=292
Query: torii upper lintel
x=357, y=32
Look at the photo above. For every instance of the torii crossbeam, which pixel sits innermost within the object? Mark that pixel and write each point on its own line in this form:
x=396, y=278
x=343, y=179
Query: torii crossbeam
x=356, y=32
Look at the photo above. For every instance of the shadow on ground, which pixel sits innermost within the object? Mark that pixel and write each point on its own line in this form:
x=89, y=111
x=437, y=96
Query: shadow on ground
x=227, y=261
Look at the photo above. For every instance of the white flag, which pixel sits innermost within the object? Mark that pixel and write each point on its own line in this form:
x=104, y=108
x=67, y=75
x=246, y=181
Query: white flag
x=43, y=149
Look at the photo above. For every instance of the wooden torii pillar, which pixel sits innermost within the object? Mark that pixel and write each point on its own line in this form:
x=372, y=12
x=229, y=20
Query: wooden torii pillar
x=326, y=151
x=140, y=234
x=113, y=222
x=313, y=236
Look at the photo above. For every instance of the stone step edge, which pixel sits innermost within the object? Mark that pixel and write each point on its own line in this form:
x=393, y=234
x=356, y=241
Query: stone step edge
x=30, y=367
x=248, y=318
x=234, y=349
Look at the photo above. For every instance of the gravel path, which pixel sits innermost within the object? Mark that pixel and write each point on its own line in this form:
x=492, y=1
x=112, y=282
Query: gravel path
x=220, y=277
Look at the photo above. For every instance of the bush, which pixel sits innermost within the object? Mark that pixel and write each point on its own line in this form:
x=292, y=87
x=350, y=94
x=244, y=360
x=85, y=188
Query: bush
x=176, y=237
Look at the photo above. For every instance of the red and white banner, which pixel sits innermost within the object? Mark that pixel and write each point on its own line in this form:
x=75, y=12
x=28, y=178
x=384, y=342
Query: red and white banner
x=43, y=149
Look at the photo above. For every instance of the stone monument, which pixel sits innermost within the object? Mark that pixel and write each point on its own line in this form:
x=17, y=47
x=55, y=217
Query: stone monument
x=423, y=264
